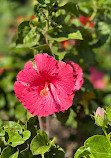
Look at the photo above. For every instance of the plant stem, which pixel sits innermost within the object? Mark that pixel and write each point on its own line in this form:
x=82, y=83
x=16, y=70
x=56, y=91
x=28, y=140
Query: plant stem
x=47, y=42
x=43, y=156
x=95, y=10
x=48, y=126
x=104, y=130
x=47, y=27
x=40, y=123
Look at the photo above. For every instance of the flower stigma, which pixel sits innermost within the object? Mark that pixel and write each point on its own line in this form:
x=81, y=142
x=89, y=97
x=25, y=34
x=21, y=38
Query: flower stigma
x=44, y=91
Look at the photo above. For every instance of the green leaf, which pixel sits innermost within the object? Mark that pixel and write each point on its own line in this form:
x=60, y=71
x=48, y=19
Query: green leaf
x=15, y=139
x=108, y=112
x=40, y=143
x=31, y=38
x=23, y=30
x=71, y=8
x=24, y=24
x=59, y=153
x=1, y=142
x=60, y=55
x=12, y=125
x=27, y=154
x=26, y=134
x=9, y=152
x=31, y=126
x=55, y=152
x=41, y=1
x=63, y=2
x=47, y=1
x=71, y=120
x=82, y=151
x=74, y=35
x=63, y=116
x=45, y=48
x=2, y=132
x=98, y=146
x=15, y=155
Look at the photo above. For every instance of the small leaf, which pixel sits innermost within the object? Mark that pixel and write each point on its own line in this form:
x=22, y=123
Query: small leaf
x=30, y=126
x=26, y=134
x=82, y=151
x=9, y=152
x=12, y=125
x=74, y=35
x=60, y=55
x=45, y=48
x=40, y=143
x=15, y=139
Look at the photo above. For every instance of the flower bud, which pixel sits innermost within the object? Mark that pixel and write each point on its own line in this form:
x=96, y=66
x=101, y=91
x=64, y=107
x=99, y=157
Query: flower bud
x=99, y=117
x=99, y=112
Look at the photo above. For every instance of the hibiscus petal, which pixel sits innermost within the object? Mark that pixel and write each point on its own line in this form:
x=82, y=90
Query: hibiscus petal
x=46, y=65
x=29, y=75
x=19, y=88
x=38, y=105
x=64, y=82
x=78, y=75
x=63, y=101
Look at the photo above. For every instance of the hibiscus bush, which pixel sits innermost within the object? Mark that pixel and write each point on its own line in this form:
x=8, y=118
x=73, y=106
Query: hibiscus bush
x=55, y=88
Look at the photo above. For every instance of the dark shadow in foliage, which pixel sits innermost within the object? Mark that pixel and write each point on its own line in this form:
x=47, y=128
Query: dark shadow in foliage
x=32, y=122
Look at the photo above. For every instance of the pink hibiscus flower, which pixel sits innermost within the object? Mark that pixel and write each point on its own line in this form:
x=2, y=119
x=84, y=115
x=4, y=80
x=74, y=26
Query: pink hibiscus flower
x=84, y=20
x=46, y=86
x=97, y=78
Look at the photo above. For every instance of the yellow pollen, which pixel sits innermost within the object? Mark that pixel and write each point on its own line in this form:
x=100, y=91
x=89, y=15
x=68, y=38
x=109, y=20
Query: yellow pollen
x=43, y=92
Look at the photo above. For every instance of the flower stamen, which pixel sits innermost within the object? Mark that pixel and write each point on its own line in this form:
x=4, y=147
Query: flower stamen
x=44, y=91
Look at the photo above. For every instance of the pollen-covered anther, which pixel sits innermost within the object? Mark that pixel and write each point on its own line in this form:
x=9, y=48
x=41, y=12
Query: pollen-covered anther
x=43, y=92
